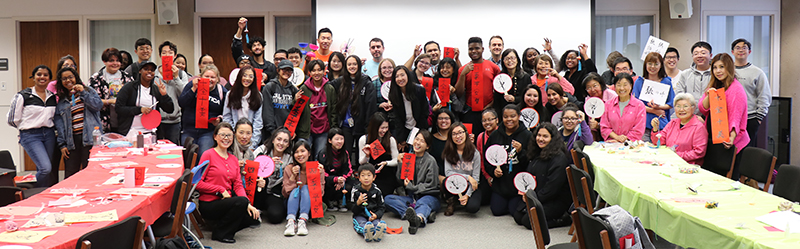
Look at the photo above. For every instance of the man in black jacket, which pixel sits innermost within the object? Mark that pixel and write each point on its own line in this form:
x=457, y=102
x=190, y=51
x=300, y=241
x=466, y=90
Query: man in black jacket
x=257, y=47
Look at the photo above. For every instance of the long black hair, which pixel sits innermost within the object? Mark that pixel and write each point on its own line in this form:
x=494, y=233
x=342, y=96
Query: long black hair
x=396, y=92
x=562, y=63
x=62, y=91
x=329, y=152
x=269, y=143
x=237, y=91
x=340, y=56
x=438, y=75
x=518, y=70
x=450, y=152
x=375, y=123
x=553, y=149
x=347, y=91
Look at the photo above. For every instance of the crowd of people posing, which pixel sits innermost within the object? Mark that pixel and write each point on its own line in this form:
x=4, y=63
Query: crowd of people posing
x=354, y=105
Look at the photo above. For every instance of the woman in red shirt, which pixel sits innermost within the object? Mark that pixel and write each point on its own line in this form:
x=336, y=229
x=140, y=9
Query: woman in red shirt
x=222, y=195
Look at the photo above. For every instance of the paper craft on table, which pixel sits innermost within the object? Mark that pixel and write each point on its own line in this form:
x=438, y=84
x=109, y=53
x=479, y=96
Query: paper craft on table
x=170, y=156
x=135, y=191
x=169, y=165
x=15, y=247
x=654, y=91
x=159, y=179
x=46, y=219
x=110, y=215
x=655, y=45
x=110, y=153
x=64, y=201
x=25, y=236
x=117, y=164
x=114, y=180
x=97, y=159
x=529, y=117
x=782, y=220
x=21, y=211
x=68, y=191
x=594, y=107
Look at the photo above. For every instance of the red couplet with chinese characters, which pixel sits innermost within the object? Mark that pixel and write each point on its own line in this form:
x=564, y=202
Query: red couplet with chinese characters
x=166, y=67
x=427, y=82
x=314, y=189
x=469, y=127
x=477, y=86
x=376, y=149
x=294, y=115
x=720, y=131
x=449, y=52
x=250, y=176
x=444, y=91
x=259, y=77
x=407, y=168
x=201, y=110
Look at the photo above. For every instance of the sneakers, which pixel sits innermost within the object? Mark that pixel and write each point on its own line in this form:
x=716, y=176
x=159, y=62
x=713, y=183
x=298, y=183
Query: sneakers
x=301, y=228
x=450, y=209
x=432, y=217
x=369, y=230
x=332, y=207
x=291, y=228
x=380, y=231
x=413, y=220
x=343, y=209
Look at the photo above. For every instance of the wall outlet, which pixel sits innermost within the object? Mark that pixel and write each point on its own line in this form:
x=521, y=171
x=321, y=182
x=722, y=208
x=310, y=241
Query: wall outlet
x=2, y=86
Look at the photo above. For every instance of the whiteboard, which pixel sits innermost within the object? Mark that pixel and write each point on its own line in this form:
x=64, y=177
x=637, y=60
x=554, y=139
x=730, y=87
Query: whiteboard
x=404, y=24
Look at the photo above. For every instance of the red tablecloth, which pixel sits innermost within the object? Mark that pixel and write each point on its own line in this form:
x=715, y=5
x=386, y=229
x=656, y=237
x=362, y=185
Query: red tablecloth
x=91, y=178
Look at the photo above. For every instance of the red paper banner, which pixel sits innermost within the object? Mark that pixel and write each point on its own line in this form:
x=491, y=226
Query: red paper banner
x=201, y=110
x=166, y=67
x=314, y=189
x=427, y=82
x=407, y=168
x=376, y=149
x=469, y=127
x=720, y=131
x=477, y=86
x=449, y=52
x=259, y=77
x=444, y=91
x=294, y=115
x=250, y=177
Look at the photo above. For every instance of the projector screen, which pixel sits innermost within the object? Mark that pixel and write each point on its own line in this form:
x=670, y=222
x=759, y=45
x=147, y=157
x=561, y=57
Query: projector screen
x=404, y=24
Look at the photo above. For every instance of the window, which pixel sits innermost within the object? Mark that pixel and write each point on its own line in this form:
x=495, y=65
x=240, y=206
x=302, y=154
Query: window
x=119, y=34
x=291, y=30
x=625, y=34
x=756, y=29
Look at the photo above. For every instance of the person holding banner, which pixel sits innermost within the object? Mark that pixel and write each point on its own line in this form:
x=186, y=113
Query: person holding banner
x=576, y=65
x=318, y=116
x=545, y=75
x=624, y=116
x=409, y=105
x=337, y=170
x=461, y=157
x=422, y=193
x=170, y=127
x=654, y=71
x=269, y=199
x=296, y=190
x=687, y=134
x=574, y=128
x=474, y=81
x=279, y=97
x=736, y=104
x=222, y=195
x=108, y=81
x=244, y=101
x=140, y=97
x=357, y=103
x=514, y=140
x=446, y=76
x=549, y=158
x=378, y=136
x=77, y=115
x=519, y=80
x=385, y=70
x=200, y=123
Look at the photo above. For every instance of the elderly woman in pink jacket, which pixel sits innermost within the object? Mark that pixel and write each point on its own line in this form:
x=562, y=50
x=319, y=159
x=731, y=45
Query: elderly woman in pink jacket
x=736, y=100
x=624, y=117
x=686, y=134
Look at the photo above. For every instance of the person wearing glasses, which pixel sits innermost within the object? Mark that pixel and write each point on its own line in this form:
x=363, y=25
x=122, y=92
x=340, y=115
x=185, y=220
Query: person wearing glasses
x=671, y=58
x=654, y=70
x=519, y=80
x=421, y=66
x=573, y=128
x=695, y=79
x=385, y=71
x=756, y=86
x=687, y=134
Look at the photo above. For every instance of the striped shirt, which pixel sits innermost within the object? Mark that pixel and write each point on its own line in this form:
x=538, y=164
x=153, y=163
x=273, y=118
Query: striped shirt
x=77, y=115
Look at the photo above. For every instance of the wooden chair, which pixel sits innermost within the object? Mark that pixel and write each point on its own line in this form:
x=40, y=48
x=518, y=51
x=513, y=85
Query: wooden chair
x=593, y=232
x=541, y=234
x=720, y=160
x=787, y=184
x=581, y=187
x=757, y=164
x=170, y=224
x=10, y=195
x=126, y=234
x=579, y=144
x=187, y=142
x=191, y=160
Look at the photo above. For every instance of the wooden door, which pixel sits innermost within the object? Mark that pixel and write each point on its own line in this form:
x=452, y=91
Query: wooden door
x=216, y=35
x=45, y=43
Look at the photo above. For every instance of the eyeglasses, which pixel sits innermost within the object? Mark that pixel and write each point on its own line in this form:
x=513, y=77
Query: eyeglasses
x=570, y=119
x=653, y=64
x=671, y=57
x=743, y=48
x=225, y=136
x=443, y=118
x=510, y=58
x=459, y=133
x=488, y=120
x=68, y=78
x=682, y=107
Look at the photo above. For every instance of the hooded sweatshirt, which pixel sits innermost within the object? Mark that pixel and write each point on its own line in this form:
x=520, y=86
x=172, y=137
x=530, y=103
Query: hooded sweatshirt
x=692, y=81
x=318, y=115
x=426, y=177
x=174, y=89
x=278, y=102
x=504, y=185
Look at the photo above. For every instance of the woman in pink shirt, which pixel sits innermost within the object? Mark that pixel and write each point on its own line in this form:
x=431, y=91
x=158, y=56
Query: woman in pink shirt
x=545, y=74
x=222, y=195
x=624, y=116
x=595, y=87
x=736, y=101
x=687, y=133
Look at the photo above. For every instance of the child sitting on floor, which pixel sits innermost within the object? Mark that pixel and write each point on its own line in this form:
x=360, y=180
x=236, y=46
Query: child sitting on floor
x=368, y=206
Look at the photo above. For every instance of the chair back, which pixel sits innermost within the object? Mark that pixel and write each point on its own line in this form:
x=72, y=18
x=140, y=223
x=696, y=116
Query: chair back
x=578, y=144
x=126, y=234
x=187, y=142
x=787, y=184
x=592, y=231
x=720, y=160
x=6, y=161
x=190, y=159
x=584, y=162
x=9, y=195
x=198, y=172
x=186, y=177
x=581, y=186
x=759, y=164
x=535, y=210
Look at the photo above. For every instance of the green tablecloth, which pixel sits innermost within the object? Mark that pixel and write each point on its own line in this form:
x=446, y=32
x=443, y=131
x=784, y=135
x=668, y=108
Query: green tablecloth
x=664, y=204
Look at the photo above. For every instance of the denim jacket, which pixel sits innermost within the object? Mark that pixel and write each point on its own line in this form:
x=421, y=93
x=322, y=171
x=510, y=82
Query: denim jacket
x=91, y=118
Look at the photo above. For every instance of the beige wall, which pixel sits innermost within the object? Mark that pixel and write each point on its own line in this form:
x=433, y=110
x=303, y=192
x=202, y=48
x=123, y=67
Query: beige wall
x=181, y=34
x=790, y=59
x=681, y=33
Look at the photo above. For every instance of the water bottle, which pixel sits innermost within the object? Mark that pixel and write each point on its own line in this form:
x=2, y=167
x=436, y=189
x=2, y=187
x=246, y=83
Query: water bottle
x=97, y=136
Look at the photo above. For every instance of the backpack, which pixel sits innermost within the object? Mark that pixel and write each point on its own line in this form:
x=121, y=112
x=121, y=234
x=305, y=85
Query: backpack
x=171, y=243
x=625, y=227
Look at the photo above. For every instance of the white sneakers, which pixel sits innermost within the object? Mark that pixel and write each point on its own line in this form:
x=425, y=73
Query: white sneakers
x=301, y=228
x=296, y=228
x=290, y=228
x=369, y=231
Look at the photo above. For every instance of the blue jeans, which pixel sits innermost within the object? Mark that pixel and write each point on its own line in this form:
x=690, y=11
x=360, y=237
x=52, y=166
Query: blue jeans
x=425, y=205
x=319, y=142
x=360, y=221
x=203, y=138
x=40, y=143
x=171, y=132
x=301, y=201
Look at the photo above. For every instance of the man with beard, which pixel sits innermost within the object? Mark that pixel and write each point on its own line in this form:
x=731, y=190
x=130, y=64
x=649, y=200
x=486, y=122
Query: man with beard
x=376, y=50
x=257, y=47
x=431, y=48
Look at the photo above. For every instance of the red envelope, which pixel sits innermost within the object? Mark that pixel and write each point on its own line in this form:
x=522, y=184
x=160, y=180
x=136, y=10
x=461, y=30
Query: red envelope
x=407, y=168
x=314, y=189
x=201, y=109
x=427, y=82
x=376, y=149
x=251, y=174
x=449, y=52
x=444, y=91
x=469, y=128
x=166, y=67
x=259, y=78
x=720, y=131
x=211, y=120
x=622, y=241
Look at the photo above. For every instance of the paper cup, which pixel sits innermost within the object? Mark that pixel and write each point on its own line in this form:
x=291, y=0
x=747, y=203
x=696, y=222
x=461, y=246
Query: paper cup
x=139, y=177
x=130, y=178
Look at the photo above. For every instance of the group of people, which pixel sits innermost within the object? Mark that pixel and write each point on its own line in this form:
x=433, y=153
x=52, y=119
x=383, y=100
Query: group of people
x=360, y=133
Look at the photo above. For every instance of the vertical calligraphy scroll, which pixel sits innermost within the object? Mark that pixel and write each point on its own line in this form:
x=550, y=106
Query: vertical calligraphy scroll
x=314, y=189
x=201, y=110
